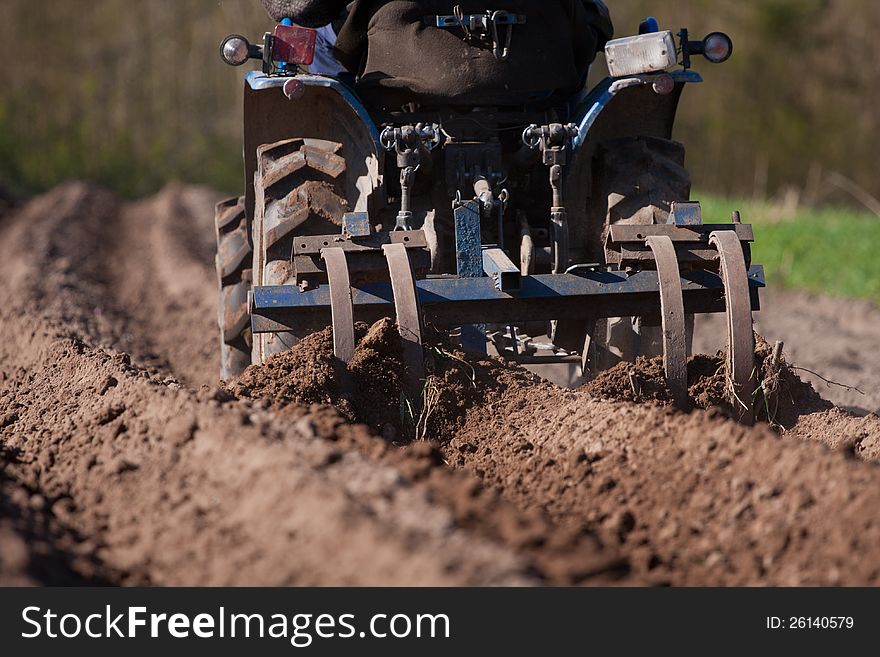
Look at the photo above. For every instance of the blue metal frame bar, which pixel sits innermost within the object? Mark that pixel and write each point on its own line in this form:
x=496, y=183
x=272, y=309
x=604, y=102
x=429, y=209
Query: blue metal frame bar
x=453, y=301
x=468, y=244
x=469, y=264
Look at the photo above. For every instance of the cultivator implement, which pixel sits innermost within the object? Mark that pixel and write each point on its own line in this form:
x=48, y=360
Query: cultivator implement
x=315, y=147
x=660, y=273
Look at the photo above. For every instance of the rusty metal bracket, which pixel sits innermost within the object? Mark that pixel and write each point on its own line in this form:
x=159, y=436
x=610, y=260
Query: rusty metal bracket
x=315, y=244
x=740, y=330
x=341, y=308
x=409, y=317
x=625, y=244
x=678, y=233
x=673, y=318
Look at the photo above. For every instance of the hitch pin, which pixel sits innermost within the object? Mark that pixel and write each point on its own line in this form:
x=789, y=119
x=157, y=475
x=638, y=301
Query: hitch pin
x=501, y=54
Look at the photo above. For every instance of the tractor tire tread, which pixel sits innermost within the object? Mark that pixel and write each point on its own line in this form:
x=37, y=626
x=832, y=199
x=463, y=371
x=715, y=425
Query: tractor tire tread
x=234, y=278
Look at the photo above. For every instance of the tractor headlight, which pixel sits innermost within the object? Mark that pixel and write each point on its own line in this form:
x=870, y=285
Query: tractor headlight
x=644, y=53
x=235, y=50
x=717, y=47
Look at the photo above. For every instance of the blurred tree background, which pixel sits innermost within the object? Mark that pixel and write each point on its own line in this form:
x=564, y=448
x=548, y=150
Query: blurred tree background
x=131, y=94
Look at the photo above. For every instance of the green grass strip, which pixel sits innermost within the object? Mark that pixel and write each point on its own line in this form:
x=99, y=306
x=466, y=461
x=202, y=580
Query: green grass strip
x=830, y=251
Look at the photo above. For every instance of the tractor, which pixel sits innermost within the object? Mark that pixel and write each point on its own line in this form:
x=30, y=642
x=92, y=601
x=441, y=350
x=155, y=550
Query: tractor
x=461, y=177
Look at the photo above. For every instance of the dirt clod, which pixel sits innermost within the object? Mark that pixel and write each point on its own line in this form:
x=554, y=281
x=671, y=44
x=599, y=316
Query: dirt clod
x=781, y=396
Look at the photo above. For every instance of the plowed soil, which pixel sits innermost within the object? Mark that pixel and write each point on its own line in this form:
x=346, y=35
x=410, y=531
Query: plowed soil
x=125, y=460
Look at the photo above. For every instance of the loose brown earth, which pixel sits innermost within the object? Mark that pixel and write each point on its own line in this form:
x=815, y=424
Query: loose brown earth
x=124, y=461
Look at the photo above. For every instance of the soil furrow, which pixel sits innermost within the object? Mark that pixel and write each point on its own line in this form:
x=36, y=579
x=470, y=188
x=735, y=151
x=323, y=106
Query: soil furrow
x=150, y=483
x=691, y=499
x=123, y=462
x=688, y=499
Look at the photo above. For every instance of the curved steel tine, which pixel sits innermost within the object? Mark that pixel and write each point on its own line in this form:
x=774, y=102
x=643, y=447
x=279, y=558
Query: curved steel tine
x=672, y=311
x=740, y=330
x=409, y=316
x=340, y=303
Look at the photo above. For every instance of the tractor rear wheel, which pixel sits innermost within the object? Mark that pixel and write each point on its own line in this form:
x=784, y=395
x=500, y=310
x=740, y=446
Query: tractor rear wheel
x=233, y=263
x=640, y=178
x=299, y=191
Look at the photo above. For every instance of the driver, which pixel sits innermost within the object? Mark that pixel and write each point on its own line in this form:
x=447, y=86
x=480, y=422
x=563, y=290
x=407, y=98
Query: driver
x=342, y=29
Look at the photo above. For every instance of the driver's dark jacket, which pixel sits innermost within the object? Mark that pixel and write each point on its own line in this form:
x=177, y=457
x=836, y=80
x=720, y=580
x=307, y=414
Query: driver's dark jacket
x=400, y=58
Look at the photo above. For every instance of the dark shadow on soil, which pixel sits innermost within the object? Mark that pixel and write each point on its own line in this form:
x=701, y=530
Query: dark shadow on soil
x=30, y=517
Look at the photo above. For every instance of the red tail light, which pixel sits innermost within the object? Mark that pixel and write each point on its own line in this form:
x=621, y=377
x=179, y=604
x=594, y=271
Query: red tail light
x=294, y=45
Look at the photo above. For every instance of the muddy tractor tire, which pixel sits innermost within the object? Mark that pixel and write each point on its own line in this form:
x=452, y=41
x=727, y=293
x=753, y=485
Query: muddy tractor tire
x=233, y=263
x=640, y=178
x=299, y=190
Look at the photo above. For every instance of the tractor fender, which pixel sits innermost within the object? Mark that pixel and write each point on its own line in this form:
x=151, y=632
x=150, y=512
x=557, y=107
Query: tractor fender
x=325, y=109
x=629, y=107
x=616, y=108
